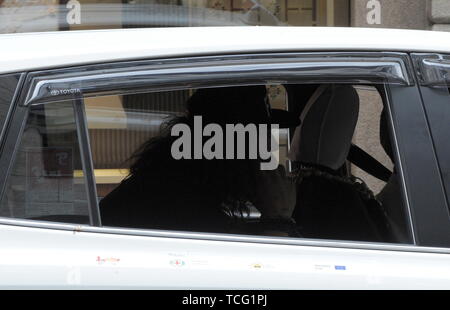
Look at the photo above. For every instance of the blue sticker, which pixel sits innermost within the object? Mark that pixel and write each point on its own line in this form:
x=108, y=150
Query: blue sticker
x=340, y=268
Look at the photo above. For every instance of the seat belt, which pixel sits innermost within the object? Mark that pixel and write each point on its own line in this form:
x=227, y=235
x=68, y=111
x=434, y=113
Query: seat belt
x=366, y=162
x=356, y=156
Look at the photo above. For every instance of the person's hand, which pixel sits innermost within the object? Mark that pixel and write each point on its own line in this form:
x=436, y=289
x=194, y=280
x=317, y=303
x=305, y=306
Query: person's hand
x=275, y=194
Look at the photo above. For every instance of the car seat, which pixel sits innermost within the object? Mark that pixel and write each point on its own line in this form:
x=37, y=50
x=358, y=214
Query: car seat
x=331, y=204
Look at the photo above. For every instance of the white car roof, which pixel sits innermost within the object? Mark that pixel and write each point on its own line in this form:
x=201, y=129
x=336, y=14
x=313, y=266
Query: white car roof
x=32, y=51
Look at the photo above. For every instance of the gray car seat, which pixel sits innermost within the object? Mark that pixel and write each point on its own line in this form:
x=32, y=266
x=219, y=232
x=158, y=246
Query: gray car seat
x=331, y=205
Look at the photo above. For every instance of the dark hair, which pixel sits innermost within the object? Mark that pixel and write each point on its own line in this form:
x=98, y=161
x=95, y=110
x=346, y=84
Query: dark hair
x=230, y=182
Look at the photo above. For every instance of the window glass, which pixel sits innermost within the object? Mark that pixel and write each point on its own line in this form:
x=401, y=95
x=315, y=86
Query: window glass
x=367, y=135
x=372, y=136
x=46, y=180
x=119, y=125
x=165, y=161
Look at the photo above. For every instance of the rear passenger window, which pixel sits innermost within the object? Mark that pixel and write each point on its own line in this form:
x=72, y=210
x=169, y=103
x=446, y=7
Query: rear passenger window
x=121, y=131
x=370, y=135
x=214, y=184
x=46, y=180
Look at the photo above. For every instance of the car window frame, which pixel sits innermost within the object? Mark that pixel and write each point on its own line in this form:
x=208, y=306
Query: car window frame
x=38, y=78
x=10, y=146
x=433, y=75
x=419, y=168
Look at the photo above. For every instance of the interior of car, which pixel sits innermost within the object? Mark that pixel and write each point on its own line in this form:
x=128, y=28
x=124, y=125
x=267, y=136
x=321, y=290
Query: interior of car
x=333, y=209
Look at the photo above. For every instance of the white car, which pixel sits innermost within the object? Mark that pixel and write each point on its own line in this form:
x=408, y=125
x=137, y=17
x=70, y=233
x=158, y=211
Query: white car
x=79, y=210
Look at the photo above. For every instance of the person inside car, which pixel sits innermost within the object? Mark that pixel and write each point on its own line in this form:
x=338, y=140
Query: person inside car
x=203, y=195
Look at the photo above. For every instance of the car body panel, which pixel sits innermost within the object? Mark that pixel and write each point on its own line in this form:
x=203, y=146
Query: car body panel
x=34, y=51
x=41, y=255
x=39, y=258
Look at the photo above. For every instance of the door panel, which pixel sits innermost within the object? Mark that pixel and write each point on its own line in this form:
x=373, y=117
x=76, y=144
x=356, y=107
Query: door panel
x=419, y=168
x=45, y=258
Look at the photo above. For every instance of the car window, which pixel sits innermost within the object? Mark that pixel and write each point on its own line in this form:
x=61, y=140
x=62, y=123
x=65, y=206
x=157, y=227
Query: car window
x=46, y=180
x=266, y=160
x=120, y=126
x=155, y=168
x=367, y=135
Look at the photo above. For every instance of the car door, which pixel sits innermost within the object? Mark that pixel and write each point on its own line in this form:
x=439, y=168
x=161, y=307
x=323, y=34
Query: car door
x=51, y=228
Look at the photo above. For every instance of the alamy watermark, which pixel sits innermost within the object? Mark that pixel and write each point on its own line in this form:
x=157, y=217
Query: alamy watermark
x=236, y=142
x=374, y=14
x=74, y=14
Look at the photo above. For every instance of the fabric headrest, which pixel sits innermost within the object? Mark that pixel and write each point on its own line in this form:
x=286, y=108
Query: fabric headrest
x=325, y=135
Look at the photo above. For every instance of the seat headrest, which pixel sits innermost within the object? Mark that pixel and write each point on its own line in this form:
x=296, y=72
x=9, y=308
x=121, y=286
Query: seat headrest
x=328, y=123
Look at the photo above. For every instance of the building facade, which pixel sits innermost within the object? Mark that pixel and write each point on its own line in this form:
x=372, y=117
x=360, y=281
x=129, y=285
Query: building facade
x=50, y=15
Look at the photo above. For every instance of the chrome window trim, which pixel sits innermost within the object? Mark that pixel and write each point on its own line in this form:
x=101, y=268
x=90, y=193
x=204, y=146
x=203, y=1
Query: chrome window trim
x=350, y=245
x=154, y=75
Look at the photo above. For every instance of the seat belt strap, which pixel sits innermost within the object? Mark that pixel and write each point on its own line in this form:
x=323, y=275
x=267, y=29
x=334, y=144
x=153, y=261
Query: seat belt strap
x=366, y=162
